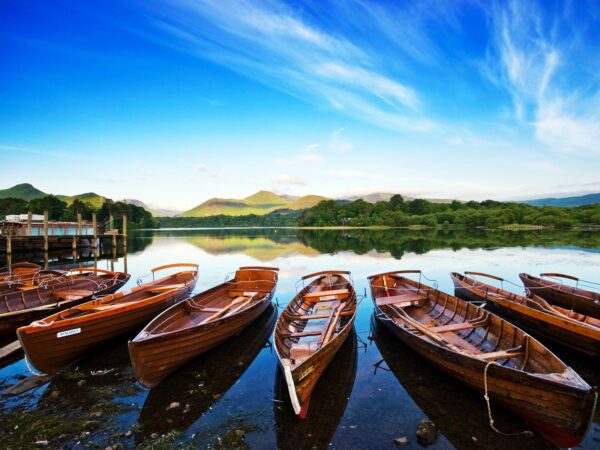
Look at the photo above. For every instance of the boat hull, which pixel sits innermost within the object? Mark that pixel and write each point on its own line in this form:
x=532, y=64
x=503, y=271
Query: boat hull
x=10, y=322
x=154, y=359
x=307, y=374
x=561, y=414
x=565, y=297
x=549, y=326
x=50, y=350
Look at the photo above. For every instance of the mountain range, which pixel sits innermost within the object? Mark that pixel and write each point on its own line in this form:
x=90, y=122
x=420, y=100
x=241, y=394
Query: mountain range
x=260, y=203
x=568, y=202
x=263, y=202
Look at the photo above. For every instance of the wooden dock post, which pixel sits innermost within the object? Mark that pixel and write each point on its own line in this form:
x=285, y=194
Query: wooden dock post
x=9, y=244
x=79, y=223
x=95, y=241
x=110, y=220
x=45, y=231
x=124, y=232
x=74, y=243
x=29, y=218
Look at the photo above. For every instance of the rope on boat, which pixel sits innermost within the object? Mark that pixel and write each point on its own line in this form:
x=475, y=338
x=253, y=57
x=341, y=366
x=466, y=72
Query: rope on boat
x=489, y=407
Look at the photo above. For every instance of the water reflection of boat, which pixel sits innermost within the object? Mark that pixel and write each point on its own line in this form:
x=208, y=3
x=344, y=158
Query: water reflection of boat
x=459, y=413
x=328, y=403
x=199, y=384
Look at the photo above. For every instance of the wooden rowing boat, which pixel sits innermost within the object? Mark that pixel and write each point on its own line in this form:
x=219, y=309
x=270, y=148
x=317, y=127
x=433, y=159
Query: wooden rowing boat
x=204, y=381
x=327, y=406
x=27, y=303
x=29, y=281
x=202, y=322
x=566, y=327
x=310, y=331
x=63, y=337
x=19, y=274
x=484, y=350
x=557, y=293
x=436, y=396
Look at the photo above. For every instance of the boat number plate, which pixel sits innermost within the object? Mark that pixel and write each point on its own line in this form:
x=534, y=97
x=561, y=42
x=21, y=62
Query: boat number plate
x=328, y=297
x=68, y=332
x=305, y=373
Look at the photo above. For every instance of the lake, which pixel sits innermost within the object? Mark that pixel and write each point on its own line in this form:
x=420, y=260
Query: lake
x=375, y=391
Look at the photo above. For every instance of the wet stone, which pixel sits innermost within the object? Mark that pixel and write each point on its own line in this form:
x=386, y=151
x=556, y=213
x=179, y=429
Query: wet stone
x=154, y=436
x=173, y=405
x=81, y=383
x=427, y=432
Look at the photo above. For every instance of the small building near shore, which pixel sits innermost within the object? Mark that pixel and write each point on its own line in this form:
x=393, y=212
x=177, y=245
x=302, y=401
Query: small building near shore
x=17, y=225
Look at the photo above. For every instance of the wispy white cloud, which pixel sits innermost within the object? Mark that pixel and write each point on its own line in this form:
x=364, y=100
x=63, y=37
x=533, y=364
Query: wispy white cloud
x=311, y=147
x=280, y=45
x=539, y=59
x=338, y=142
x=201, y=167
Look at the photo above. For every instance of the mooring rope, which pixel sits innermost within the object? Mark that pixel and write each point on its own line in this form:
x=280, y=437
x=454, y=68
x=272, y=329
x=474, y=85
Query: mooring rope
x=489, y=407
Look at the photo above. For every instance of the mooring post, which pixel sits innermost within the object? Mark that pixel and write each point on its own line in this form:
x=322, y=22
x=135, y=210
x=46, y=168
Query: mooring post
x=45, y=231
x=29, y=218
x=125, y=261
x=9, y=244
x=74, y=243
x=110, y=221
x=79, y=223
x=94, y=242
x=124, y=231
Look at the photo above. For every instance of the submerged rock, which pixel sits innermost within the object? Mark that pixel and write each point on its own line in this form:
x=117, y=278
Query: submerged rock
x=427, y=432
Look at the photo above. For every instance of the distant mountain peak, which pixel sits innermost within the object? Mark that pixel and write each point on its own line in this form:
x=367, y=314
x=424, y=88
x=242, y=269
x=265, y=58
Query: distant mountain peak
x=265, y=197
x=24, y=191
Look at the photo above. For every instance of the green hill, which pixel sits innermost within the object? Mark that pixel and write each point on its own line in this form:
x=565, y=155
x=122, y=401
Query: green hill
x=24, y=191
x=90, y=198
x=261, y=203
x=308, y=201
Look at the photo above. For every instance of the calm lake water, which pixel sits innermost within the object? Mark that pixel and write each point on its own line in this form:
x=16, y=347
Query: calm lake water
x=376, y=389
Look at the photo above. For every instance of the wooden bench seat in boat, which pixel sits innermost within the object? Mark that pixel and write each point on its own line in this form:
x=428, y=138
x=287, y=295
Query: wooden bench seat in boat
x=168, y=287
x=501, y=354
x=310, y=339
x=72, y=294
x=402, y=301
x=26, y=287
x=452, y=327
x=320, y=296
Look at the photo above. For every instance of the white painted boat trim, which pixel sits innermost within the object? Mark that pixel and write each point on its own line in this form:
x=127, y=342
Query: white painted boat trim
x=292, y=389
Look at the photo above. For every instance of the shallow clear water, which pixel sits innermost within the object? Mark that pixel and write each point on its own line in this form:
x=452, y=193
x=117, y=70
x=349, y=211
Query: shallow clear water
x=376, y=389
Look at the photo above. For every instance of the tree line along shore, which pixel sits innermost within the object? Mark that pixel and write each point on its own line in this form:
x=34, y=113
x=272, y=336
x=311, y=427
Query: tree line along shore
x=396, y=212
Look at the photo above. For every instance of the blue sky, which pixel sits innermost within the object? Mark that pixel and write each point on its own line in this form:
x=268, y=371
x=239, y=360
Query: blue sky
x=173, y=102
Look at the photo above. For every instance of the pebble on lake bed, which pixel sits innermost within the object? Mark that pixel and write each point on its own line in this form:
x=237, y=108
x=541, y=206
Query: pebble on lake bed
x=173, y=405
x=401, y=440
